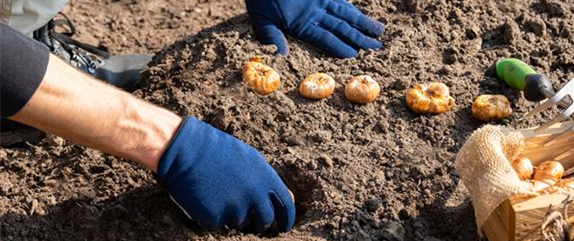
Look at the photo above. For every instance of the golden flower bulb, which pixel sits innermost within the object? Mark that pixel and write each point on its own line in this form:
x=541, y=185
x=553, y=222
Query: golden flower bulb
x=523, y=167
x=549, y=171
x=260, y=77
x=491, y=107
x=317, y=86
x=362, y=89
x=433, y=98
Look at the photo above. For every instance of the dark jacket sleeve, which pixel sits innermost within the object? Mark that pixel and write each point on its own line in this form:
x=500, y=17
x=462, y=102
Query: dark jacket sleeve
x=23, y=64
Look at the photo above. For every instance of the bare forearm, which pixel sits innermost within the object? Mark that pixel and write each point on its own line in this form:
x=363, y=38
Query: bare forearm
x=74, y=106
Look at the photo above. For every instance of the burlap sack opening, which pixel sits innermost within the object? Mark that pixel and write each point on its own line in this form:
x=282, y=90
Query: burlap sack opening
x=483, y=165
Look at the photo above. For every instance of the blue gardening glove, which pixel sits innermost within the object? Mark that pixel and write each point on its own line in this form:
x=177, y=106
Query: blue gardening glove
x=334, y=26
x=218, y=180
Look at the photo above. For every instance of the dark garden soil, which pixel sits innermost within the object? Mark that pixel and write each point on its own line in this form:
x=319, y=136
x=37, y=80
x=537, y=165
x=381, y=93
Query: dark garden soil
x=358, y=172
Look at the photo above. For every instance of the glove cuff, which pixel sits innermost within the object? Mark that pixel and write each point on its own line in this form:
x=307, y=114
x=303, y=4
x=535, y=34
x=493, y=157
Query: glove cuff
x=179, y=140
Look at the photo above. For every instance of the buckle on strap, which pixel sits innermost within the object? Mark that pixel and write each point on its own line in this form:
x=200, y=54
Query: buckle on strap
x=66, y=40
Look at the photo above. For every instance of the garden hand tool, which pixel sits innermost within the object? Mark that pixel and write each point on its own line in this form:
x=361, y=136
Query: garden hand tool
x=537, y=87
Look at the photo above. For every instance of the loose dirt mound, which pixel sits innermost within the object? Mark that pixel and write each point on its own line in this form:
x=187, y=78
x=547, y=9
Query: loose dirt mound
x=375, y=171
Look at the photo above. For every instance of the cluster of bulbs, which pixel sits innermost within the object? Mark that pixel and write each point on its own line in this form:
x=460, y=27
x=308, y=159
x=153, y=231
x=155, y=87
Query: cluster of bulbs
x=544, y=178
x=428, y=98
x=264, y=80
x=434, y=98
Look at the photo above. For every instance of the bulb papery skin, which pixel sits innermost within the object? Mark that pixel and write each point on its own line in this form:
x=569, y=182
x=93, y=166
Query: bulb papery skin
x=317, y=86
x=523, y=167
x=259, y=77
x=549, y=171
x=362, y=89
x=487, y=108
x=430, y=98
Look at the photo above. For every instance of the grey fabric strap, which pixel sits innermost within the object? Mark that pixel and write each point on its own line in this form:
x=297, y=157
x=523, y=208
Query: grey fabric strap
x=5, y=10
x=26, y=16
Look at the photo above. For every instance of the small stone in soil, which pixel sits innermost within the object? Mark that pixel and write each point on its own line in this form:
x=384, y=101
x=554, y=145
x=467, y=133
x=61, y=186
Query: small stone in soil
x=394, y=230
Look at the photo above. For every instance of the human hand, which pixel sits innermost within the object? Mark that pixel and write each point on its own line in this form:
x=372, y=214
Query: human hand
x=218, y=180
x=335, y=27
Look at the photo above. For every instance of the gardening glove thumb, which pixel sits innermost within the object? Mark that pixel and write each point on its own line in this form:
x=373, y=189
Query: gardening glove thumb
x=335, y=27
x=217, y=180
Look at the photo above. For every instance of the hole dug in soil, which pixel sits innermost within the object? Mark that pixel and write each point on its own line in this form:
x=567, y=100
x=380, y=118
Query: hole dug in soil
x=305, y=188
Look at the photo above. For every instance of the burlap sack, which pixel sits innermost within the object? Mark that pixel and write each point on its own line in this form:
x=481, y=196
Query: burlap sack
x=483, y=165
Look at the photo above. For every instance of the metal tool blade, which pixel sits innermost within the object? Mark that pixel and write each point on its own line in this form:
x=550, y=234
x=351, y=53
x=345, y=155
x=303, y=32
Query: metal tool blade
x=565, y=99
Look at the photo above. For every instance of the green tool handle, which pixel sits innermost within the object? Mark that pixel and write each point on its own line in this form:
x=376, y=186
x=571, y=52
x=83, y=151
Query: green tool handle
x=513, y=72
x=521, y=76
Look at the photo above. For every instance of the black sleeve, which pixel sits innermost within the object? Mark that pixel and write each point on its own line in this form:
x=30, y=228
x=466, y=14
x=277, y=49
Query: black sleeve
x=23, y=63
